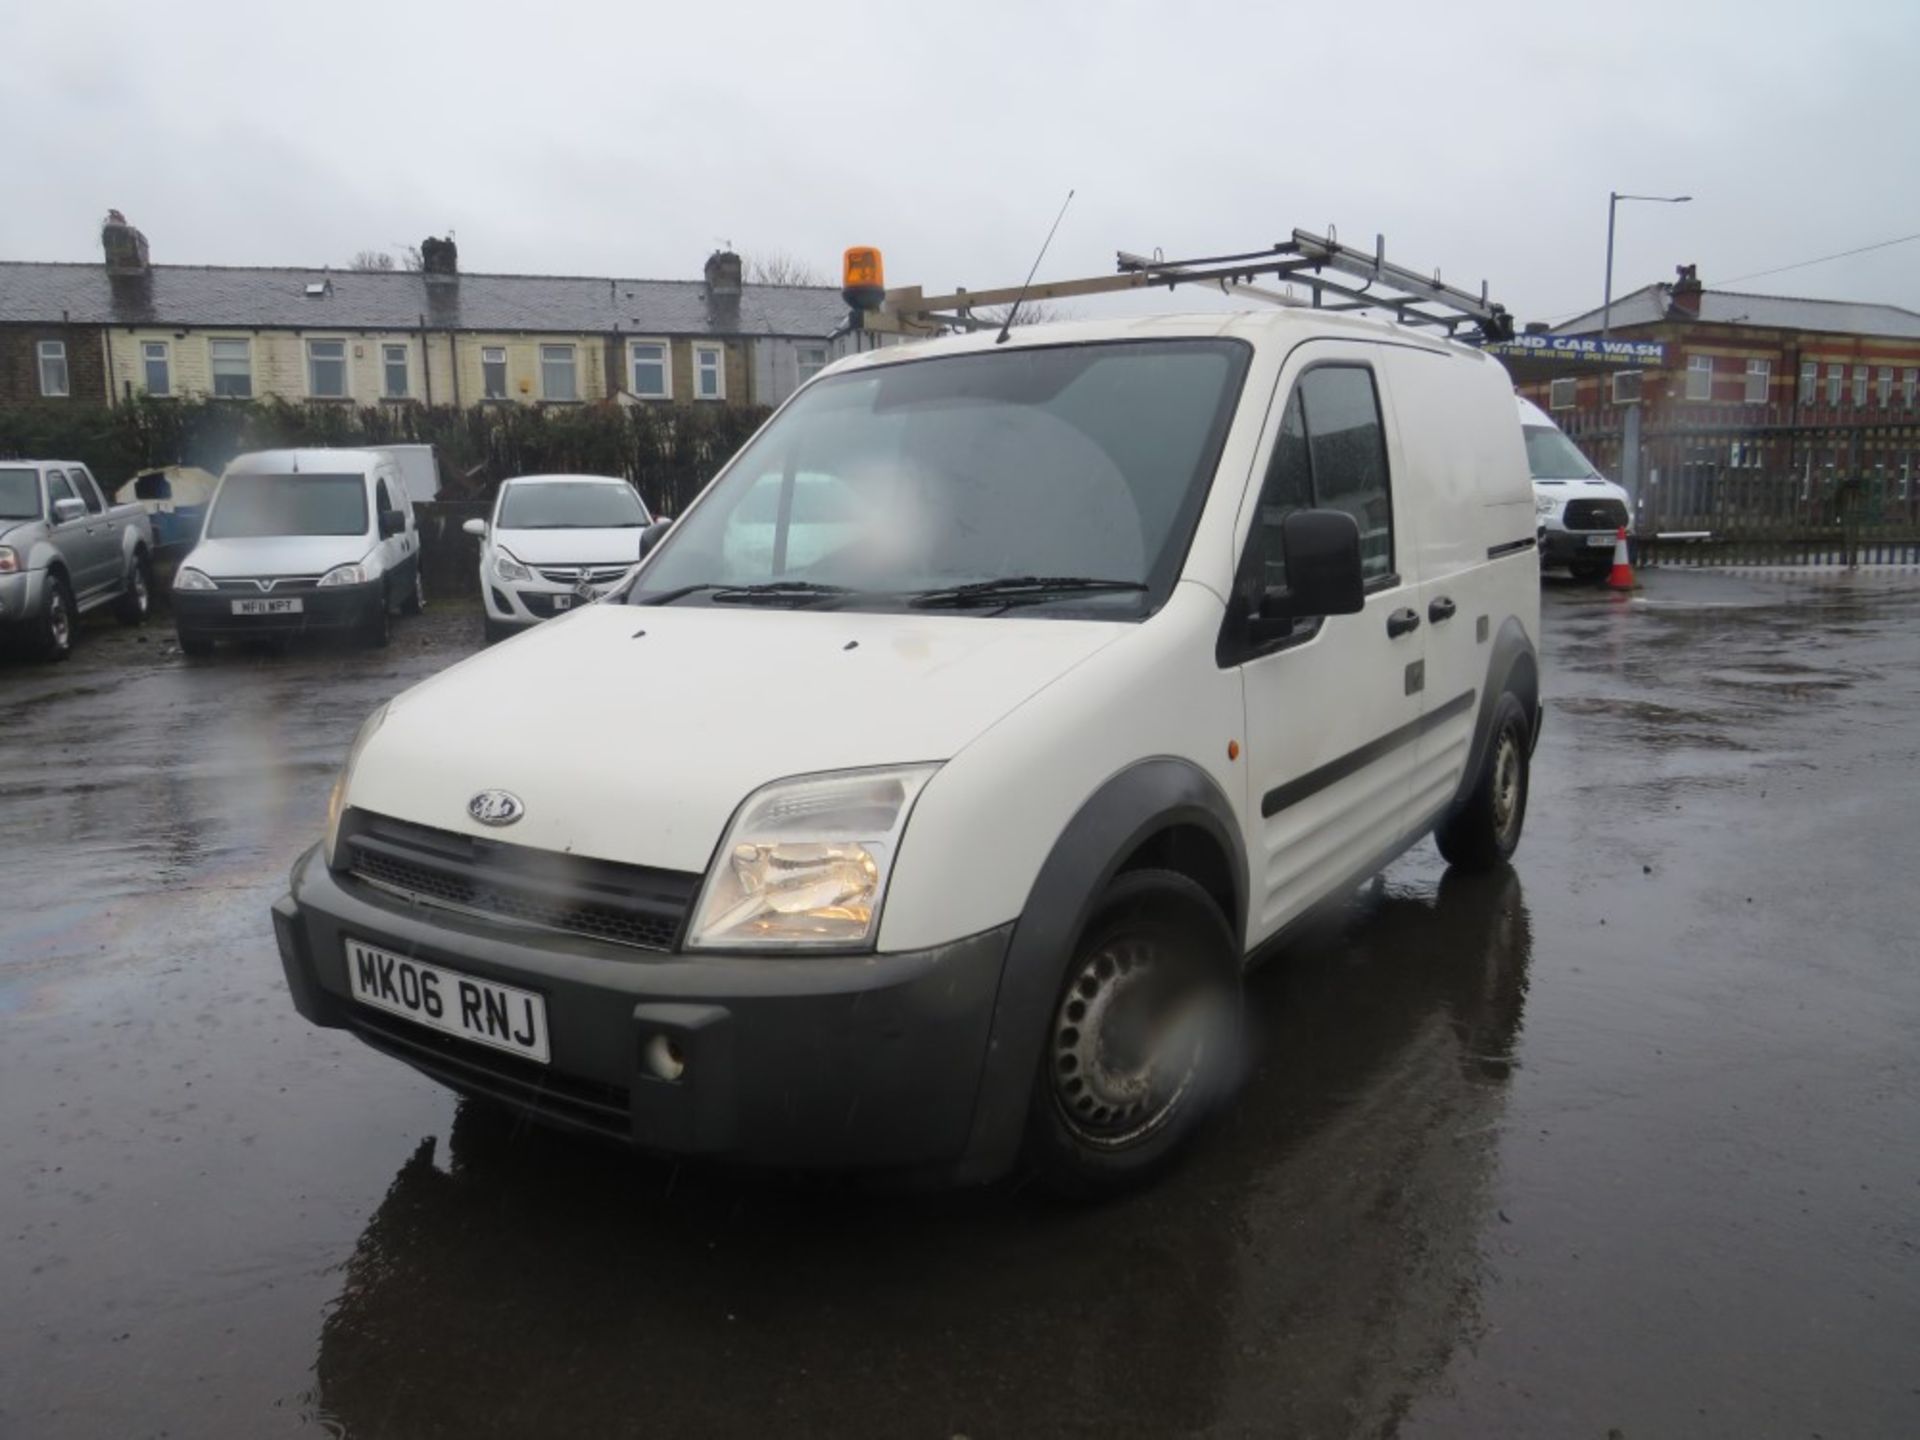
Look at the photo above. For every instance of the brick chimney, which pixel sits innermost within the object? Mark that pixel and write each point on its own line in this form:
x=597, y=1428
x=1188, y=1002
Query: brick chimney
x=125, y=247
x=723, y=275
x=440, y=261
x=1683, y=301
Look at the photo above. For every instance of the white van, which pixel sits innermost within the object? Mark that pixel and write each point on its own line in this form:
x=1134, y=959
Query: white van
x=554, y=542
x=940, y=839
x=299, y=541
x=1578, y=511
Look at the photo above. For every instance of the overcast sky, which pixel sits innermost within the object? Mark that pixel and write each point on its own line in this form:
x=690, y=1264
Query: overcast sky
x=630, y=139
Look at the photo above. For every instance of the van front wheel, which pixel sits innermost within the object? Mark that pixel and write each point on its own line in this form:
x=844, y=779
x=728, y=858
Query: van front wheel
x=1142, y=1039
x=1485, y=830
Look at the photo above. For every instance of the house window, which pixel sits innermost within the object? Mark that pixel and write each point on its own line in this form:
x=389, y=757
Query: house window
x=493, y=371
x=1885, y=387
x=1759, y=377
x=327, y=369
x=1626, y=387
x=158, y=364
x=53, y=367
x=647, y=359
x=393, y=370
x=1911, y=386
x=1809, y=381
x=810, y=360
x=709, y=372
x=1563, y=394
x=1699, y=377
x=232, y=364
x=1836, y=378
x=557, y=380
x=1860, y=386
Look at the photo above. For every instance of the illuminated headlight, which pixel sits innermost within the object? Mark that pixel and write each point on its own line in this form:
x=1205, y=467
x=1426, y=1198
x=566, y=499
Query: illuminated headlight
x=505, y=567
x=337, y=801
x=191, y=579
x=805, y=863
x=345, y=575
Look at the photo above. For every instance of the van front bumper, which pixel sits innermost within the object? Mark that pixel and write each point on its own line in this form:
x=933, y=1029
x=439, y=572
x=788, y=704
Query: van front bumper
x=1564, y=547
x=806, y=1062
x=333, y=607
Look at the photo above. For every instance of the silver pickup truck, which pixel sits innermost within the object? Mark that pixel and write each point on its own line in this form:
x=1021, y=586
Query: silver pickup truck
x=65, y=551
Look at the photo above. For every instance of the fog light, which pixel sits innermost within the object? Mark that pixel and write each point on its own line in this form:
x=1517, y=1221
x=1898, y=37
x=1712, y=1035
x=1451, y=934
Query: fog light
x=665, y=1058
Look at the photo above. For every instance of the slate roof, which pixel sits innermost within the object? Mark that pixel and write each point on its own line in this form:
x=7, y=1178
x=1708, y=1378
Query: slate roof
x=1648, y=306
x=211, y=296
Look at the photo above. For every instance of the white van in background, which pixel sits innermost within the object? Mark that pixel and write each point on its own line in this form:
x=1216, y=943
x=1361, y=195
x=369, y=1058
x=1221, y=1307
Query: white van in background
x=297, y=541
x=1577, y=510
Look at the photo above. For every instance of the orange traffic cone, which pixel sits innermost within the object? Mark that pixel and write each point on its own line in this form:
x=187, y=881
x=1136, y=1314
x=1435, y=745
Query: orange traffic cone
x=1621, y=577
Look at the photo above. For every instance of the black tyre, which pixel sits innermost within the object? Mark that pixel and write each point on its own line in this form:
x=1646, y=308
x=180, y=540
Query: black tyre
x=377, y=629
x=1142, y=1041
x=196, y=643
x=137, y=599
x=53, y=631
x=1590, y=569
x=1485, y=830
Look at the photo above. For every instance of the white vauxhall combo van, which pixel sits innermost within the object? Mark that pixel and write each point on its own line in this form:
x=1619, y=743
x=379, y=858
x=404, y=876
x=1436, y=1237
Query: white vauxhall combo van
x=932, y=824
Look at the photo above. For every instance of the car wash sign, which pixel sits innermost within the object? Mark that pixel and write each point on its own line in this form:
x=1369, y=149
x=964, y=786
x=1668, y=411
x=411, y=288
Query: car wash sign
x=1588, y=349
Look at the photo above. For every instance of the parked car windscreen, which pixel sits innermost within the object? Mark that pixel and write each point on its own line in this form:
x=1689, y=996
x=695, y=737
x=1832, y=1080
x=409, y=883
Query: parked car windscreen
x=261, y=505
x=570, y=505
x=19, y=495
x=1552, y=456
x=1088, y=461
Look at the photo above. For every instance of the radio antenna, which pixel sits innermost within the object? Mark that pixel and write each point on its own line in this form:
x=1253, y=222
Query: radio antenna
x=1014, y=309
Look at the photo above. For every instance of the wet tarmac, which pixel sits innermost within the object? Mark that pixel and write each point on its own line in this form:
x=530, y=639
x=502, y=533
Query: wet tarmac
x=1623, y=1142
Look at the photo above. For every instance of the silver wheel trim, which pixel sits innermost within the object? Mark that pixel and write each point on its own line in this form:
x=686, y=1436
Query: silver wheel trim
x=1506, y=785
x=139, y=584
x=1106, y=1101
x=59, y=622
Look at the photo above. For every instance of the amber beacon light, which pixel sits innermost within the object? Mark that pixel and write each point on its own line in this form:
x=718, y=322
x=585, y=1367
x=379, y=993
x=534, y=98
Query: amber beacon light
x=863, y=278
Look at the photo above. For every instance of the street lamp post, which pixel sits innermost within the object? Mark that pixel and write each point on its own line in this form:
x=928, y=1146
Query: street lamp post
x=1613, y=202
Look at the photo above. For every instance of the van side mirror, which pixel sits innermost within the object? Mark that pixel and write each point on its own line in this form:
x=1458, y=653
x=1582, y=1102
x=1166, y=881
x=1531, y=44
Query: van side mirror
x=476, y=528
x=66, y=510
x=653, y=535
x=392, y=523
x=1322, y=553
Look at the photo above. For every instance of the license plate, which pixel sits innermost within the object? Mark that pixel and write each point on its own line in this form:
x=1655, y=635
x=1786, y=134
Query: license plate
x=267, y=607
x=1594, y=542
x=445, y=1000
x=563, y=602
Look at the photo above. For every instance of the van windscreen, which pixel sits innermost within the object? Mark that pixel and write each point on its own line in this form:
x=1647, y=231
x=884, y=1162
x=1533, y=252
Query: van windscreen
x=261, y=505
x=1552, y=456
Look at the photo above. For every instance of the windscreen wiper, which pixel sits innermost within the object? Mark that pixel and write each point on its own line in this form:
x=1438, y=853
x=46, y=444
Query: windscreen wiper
x=1012, y=589
x=771, y=592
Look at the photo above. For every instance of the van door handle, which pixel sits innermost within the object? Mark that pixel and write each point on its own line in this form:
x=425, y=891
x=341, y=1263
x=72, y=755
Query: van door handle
x=1441, y=609
x=1402, y=622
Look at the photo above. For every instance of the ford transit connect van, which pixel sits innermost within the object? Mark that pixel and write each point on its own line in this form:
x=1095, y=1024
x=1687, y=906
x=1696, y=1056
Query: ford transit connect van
x=922, y=798
x=297, y=541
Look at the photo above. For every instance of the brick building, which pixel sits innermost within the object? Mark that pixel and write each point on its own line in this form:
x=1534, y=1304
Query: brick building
x=112, y=330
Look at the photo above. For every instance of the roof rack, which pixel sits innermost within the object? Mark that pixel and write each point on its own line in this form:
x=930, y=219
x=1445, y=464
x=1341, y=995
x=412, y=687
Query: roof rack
x=1337, y=278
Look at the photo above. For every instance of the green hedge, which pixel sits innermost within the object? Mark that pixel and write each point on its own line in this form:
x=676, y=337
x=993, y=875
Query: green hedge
x=669, y=452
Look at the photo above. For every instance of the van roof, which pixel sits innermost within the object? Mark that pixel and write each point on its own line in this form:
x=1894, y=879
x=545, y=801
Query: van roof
x=1285, y=323
x=307, y=461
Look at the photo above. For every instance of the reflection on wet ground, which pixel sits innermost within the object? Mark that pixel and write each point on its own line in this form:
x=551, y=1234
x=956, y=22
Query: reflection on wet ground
x=1618, y=1141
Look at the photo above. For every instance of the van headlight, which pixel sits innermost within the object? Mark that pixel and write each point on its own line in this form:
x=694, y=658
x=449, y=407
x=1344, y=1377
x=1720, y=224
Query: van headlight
x=1544, y=505
x=337, y=801
x=804, y=864
x=189, y=578
x=344, y=575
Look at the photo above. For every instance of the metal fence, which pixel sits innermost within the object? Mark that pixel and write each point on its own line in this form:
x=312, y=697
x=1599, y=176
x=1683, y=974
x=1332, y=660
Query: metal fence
x=1748, y=485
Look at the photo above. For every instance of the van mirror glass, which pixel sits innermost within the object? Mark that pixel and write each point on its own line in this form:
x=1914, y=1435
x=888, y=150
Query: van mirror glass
x=1324, y=576
x=392, y=522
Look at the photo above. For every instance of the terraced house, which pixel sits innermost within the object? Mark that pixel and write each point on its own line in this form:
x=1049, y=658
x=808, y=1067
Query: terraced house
x=123, y=327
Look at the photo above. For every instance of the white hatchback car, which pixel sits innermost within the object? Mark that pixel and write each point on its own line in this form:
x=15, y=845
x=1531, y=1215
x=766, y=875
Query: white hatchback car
x=922, y=798
x=555, y=542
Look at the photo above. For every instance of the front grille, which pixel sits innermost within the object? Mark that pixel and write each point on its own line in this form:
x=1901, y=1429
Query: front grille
x=467, y=1067
x=1594, y=515
x=621, y=904
x=264, y=584
x=575, y=574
